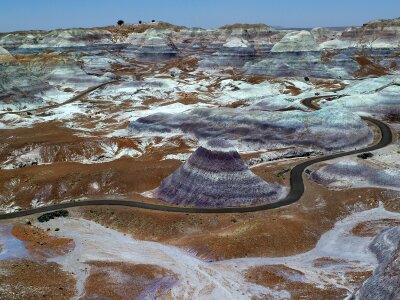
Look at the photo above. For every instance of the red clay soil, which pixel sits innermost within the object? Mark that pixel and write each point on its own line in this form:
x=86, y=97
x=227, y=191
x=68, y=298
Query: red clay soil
x=276, y=278
x=329, y=85
x=63, y=179
x=126, y=29
x=40, y=243
x=372, y=228
x=186, y=64
x=368, y=67
x=123, y=281
x=327, y=55
x=255, y=79
x=292, y=89
x=29, y=280
x=236, y=104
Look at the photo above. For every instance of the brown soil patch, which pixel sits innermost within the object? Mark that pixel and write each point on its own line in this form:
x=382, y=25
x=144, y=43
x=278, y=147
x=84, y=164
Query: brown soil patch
x=372, y=228
x=393, y=65
x=121, y=178
x=274, y=172
x=63, y=179
x=40, y=243
x=189, y=98
x=28, y=280
x=326, y=261
x=290, y=108
x=152, y=100
x=292, y=89
x=44, y=60
x=393, y=117
x=368, y=67
x=357, y=278
x=329, y=85
x=395, y=54
x=327, y=55
x=244, y=26
x=275, y=277
x=122, y=281
x=126, y=29
x=255, y=79
x=186, y=64
x=236, y=104
x=57, y=143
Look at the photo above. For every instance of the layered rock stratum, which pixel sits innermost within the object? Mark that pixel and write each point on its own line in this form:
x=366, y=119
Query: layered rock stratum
x=216, y=176
x=256, y=49
x=5, y=56
x=385, y=281
x=295, y=42
x=115, y=112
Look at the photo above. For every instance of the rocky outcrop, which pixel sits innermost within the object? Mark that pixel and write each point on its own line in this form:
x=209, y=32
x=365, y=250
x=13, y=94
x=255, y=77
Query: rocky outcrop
x=216, y=176
x=256, y=49
x=354, y=174
x=305, y=63
x=5, y=56
x=71, y=38
x=375, y=34
x=17, y=39
x=385, y=282
x=235, y=52
x=260, y=129
x=56, y=39
x=296, y=41
x=151, y=45
x=17, y=81
x=258, y=35
x=321, y=34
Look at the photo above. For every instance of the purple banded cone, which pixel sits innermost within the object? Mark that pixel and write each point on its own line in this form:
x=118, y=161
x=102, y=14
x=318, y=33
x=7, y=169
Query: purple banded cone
x=216, y=176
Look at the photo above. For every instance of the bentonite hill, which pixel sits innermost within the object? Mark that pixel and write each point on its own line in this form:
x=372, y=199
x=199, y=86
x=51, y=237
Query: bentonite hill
x=156, y=161
x=215, y=176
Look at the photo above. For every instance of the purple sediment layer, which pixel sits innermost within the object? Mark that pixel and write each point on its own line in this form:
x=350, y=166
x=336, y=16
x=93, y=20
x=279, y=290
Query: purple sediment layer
x=217, y=177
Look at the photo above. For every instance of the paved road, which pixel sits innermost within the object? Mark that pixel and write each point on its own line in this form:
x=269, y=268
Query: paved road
x=73, y=99
x=296, y=183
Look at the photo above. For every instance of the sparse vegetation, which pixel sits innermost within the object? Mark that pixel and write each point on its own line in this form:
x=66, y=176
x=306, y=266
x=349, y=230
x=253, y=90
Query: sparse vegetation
x=282, y=173
x=365, y=155
x=55, y=214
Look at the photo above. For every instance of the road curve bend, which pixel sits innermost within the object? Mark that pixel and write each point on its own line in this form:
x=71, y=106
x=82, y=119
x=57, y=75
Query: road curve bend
x=296, y=183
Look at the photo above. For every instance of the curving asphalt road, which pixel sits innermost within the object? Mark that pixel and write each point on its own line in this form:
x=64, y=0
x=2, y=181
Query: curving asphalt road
x=296, y=183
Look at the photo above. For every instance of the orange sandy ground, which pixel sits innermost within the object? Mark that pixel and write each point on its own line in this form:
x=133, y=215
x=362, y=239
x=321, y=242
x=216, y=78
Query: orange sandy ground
x=120, y=280
x=372, y=228
x=274, y=277
x=30, y=280
x=40, y=243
